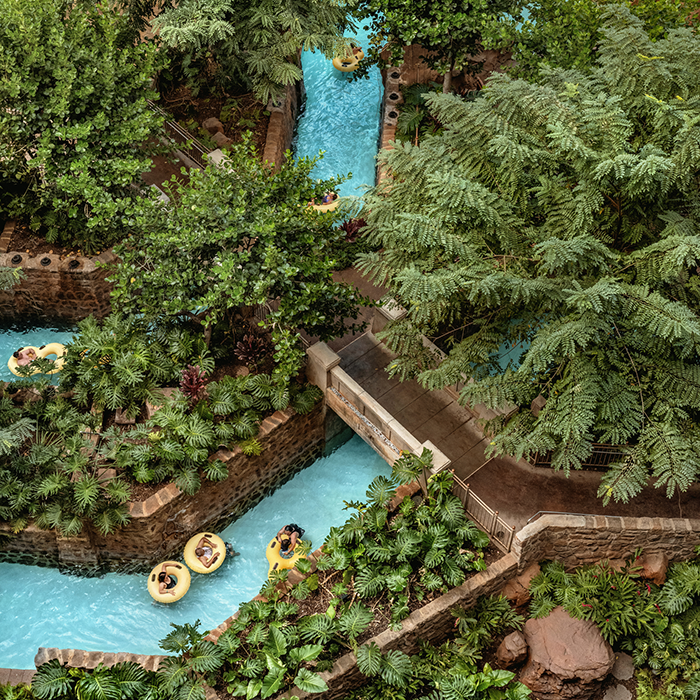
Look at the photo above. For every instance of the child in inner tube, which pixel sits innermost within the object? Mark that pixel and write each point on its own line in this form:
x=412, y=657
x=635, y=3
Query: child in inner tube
x=166, y=582
x=288, y=537
x=24, y=356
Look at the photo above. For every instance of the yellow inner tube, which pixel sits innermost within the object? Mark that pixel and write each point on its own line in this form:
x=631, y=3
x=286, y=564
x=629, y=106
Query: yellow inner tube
x=218, y=547
x=346, y=63
x=12, y=362
x=54, y=349
x=173, y=568
x=279, y=562
x=326, y=207
x=42, y=352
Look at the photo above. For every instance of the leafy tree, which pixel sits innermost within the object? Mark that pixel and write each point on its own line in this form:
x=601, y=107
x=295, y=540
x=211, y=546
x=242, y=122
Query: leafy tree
x=563, y=216
x=449, y=30
x=74, y=121
x=566, y=33
x=256, y=43
x=239, y=236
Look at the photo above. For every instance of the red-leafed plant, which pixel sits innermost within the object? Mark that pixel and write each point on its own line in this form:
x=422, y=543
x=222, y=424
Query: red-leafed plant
x=193, y=384
x=352, y=229
x=252, y=350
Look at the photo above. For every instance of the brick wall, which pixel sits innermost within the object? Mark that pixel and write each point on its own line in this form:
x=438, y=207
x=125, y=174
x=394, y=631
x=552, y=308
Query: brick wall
x=68, y=290
x=280, y=130
x=161, y=525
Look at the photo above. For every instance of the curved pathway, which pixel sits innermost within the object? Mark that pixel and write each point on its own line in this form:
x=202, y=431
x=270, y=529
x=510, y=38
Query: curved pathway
x=516, y=489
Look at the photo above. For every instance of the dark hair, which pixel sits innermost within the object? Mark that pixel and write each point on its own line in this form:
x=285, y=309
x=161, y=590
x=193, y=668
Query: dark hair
x=161, y=576
x=15, y=353
x=284, y=544
x=199, y=551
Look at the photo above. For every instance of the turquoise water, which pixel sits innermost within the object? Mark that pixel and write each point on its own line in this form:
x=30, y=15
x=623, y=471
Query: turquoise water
x=342, y=118
x=15, y=336
x=41, y=607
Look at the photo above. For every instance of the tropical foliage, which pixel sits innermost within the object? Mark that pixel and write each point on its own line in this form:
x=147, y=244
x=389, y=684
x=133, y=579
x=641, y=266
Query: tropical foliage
x=422, y=549
x=449, y=31
x=563, y=217
x=658, y=625
x=238, y=236
x=74, y=119
x=253, y=44
x=566, y=33
x=119, y=362
x=49, y=470
x=61, y=466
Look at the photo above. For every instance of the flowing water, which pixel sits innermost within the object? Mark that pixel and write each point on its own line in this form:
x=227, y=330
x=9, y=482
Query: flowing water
x=41, y=607
x=340, y=117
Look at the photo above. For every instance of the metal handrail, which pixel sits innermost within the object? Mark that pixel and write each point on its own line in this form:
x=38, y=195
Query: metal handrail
x=196, y=150
x=565, y=512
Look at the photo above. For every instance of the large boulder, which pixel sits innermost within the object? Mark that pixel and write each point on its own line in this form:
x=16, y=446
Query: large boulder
x=568, y=658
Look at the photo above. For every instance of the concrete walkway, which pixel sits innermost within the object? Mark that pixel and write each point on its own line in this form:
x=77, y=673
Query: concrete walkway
x=516, y=489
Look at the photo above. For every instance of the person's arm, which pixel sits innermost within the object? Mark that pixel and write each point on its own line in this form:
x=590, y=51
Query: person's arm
x=279, y=534
x=293, y=540
x=209, y=562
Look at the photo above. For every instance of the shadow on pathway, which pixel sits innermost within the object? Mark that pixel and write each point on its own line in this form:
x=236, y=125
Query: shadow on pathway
x=516, y=489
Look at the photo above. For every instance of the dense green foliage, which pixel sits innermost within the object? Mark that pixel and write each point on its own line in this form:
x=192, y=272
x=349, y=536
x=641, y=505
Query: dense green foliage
x=254, y=44
x=563, y=216
x=74, y=122
x=57, y=453
x=658, y=625
x=450, y=31
x=50, y=472
x=119, y=363
x=237, y=236
x=422, y=549
x=566, y=33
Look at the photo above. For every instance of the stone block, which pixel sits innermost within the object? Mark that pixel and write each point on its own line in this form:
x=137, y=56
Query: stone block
x=221, y=140
x=213, y=125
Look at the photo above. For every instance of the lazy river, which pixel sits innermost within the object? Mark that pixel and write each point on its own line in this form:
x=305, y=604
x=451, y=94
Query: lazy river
x=41, y=607
x=340, y=117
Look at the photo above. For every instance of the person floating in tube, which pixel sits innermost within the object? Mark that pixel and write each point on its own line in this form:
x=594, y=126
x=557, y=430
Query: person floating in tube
x=288, y=537
x=205, y=552
x=166, y=582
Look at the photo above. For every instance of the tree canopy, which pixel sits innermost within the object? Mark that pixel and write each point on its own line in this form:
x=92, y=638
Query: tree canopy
x=564, y=216
x=449, y=30
x=238, y=235
x=74, y=118
x=257, y=43
x=566, y=33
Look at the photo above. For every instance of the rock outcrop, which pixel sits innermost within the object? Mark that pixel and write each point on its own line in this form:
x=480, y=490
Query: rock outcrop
x=568, y=658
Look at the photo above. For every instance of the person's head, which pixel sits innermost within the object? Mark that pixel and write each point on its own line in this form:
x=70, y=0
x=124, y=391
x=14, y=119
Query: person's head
x=15, y=354
x=199, y=552
x=162, y=577
x=284, y=544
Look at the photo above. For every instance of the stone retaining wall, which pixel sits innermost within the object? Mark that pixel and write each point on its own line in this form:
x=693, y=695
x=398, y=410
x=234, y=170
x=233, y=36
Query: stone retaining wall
x=283, y=119
x=572, y=540
x=576, y=540
x=53, y=289
x=161, y=525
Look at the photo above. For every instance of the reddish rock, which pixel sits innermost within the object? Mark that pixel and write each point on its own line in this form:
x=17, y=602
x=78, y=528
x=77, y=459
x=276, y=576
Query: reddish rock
x=517, y=590
x=221, y=140
x=654, y=567
x=568, y=658
x=512, y=650
x=213, y=125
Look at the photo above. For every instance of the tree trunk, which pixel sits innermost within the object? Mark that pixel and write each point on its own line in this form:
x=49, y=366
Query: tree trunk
x=447, y=80
x=207, y=334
